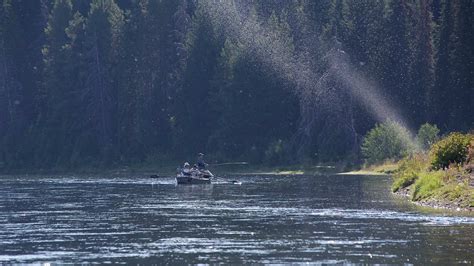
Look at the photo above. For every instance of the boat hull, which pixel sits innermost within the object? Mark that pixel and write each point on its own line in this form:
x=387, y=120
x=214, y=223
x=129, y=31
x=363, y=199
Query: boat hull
x=189, y=180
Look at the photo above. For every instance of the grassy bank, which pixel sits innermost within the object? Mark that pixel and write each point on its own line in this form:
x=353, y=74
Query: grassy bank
x=442, y=177
x=386, y=168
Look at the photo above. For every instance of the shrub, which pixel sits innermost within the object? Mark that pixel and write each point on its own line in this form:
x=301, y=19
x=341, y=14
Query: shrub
x=427, y=136
x=453, y=149
x=470, y=153
x=389, y=140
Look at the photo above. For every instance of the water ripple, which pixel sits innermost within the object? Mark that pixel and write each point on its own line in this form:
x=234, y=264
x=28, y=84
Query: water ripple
x=265, y=220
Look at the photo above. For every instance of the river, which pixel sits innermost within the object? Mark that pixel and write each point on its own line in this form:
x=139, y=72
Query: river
x=265, y=219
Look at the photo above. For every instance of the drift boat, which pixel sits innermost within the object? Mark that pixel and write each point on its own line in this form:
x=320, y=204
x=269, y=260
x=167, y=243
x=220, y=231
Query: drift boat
x=194, y=177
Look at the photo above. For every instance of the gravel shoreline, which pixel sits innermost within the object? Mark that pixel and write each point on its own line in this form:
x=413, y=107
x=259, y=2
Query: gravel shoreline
x=434, y=203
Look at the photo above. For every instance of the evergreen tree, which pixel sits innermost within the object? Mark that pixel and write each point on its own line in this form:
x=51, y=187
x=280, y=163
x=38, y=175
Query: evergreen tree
x=319, y=15
x=102, y=35
x=78, y=71
x=19, y=65
x=146, y=65
x=454, y=67
x=9, y=85
x=55, y=123
x=461, y=87
x=102, y=81
x=194, y=114
x=421, y=67
x=337, y=26
x=396, y=62
x=440, y=97
x=136, y=85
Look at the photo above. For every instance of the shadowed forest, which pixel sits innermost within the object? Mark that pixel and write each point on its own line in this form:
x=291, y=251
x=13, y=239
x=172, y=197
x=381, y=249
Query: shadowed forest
x=103, y=82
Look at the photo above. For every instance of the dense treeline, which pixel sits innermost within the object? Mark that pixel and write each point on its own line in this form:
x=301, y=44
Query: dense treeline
x=101, y=82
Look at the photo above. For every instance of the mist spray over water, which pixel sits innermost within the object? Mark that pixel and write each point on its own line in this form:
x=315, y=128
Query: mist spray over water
x=298, y=69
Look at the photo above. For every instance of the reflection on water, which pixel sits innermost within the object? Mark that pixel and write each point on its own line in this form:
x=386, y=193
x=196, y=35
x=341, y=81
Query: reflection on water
x=266, y=219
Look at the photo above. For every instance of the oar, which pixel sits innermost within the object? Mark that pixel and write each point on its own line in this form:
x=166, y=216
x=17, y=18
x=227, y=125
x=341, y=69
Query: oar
x=234, y=182
x=232, y=163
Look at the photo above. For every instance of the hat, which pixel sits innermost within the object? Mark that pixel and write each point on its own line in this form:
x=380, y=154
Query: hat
x=201, y=154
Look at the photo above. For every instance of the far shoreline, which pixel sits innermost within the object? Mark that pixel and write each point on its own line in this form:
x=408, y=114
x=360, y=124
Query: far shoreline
x=364, y=172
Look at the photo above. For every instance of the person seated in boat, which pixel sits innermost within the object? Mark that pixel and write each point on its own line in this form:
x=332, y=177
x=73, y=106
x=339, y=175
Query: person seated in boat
x=194, y=170
x=187, y=169
x=200, y=161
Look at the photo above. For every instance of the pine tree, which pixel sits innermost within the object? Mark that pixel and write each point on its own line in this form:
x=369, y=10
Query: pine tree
x=396, y=59
x=102, y=81
x=19, y=62
x=8, y=82
x=461, y=87
x=57, y=89
x=194, y=115
x=422, y=65
x=453, y=92
x=136, y=84
x=365, y=48
x=250, y=95
x=439, y=99
x=102, y=33
x=337, y=26
x=78, y=72
x=319, y=15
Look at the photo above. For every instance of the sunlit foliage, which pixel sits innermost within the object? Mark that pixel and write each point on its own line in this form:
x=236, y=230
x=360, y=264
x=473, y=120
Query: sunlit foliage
x=389, y=140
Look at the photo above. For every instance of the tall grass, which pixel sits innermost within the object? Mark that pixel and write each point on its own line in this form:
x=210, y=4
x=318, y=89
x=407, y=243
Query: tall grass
x=427, y=184
x=408, y=171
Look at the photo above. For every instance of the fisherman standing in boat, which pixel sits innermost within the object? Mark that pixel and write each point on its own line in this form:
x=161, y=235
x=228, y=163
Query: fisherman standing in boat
x=200, y=162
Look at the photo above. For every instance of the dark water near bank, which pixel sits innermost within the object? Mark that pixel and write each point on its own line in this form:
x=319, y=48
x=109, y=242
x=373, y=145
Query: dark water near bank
x=267, y=219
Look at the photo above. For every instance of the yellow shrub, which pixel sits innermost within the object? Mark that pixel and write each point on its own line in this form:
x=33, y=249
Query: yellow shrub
x=452, y=149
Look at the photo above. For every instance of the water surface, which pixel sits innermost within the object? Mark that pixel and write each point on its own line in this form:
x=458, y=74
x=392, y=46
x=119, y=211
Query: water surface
x=266, y=219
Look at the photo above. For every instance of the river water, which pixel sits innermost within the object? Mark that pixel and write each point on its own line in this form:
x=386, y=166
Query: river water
x=265, y=219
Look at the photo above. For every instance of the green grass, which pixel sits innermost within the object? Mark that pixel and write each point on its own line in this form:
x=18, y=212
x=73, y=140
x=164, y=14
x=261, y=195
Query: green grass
x=408, y=171
x=450, y=186
x=426, y=185
x=460, y=192
x=404, y=180
x=388, y=167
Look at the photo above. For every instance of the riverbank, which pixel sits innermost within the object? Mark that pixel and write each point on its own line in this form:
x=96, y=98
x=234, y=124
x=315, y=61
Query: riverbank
x=456, y=205
x=447, y=189
x=440, y=176
x=451, y=188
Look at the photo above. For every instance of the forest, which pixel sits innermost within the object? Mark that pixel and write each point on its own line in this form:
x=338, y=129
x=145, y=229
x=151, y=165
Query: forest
x=99, y=83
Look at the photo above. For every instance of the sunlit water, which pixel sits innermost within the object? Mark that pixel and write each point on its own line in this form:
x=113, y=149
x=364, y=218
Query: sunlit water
x=266, y=219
